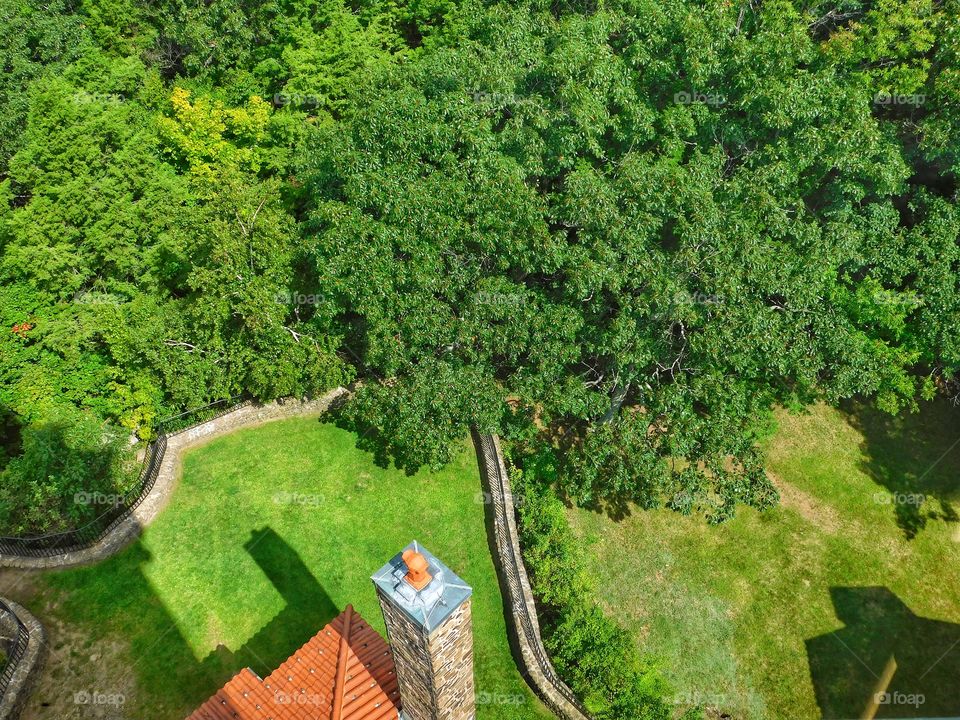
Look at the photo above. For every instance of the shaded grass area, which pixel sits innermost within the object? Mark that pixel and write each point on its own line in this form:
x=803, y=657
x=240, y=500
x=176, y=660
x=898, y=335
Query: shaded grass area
x=271, y=533
x=796, y=613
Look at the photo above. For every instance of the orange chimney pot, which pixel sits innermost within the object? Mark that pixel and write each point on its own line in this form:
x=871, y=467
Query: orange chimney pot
x=417, y=566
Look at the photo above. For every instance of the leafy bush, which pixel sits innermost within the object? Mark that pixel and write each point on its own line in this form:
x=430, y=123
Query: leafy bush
x=596, y=657
x=71, y=469
x=416, y=419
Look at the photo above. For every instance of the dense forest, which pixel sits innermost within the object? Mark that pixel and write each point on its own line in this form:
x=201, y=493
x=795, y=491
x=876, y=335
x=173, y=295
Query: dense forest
x=625, y=229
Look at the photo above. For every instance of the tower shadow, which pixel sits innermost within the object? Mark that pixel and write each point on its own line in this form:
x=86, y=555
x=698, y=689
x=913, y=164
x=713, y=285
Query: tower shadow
x=163, y=657
x=307, y=607
x=882, y=639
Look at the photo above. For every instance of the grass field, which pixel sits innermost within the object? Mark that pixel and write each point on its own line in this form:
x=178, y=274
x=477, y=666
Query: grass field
x=271, y=533
x=796, y=613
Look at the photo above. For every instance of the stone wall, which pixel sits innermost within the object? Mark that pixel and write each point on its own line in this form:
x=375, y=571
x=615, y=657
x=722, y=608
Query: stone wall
x=27, y=669
x=410, y=656
x=434, y=670
x=451, y=649
x=522, y=621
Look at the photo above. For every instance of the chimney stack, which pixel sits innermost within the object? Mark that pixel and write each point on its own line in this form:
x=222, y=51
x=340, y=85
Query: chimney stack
x=426, y=607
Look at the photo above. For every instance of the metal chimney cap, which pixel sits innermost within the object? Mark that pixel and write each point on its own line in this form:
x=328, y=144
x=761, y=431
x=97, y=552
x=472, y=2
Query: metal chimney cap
x=435, y=600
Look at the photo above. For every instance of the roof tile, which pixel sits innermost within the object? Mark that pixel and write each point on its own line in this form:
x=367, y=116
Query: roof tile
x=344, y=672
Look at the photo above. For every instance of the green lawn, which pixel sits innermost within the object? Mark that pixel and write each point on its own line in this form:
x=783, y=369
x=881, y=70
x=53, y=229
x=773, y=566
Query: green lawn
x=743, y=615
x=270, y=534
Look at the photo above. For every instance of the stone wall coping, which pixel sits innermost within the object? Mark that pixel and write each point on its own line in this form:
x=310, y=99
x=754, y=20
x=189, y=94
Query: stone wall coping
x=18, y=690
x=524, y=626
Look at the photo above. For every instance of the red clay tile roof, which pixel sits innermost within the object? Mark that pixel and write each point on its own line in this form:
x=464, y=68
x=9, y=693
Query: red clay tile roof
x=345, y=672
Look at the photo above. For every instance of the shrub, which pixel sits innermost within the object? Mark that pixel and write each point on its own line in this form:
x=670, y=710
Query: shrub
x=596, y=657
x=68, y=458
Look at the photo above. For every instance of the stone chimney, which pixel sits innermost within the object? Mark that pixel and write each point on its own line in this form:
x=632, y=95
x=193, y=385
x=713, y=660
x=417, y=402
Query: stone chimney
x=426, y=608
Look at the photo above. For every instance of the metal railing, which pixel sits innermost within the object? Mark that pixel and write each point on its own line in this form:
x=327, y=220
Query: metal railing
x=499, y=486
x=88, y=535
x=16, y=654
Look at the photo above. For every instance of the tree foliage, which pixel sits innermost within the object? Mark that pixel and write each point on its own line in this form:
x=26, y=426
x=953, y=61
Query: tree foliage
x=645, y=225
x=70, y=472
x=625, y=229
x=617, y=232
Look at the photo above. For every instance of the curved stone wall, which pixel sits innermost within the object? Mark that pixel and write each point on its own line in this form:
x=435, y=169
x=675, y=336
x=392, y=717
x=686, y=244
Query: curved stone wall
x=535, y=663
x=28, y=641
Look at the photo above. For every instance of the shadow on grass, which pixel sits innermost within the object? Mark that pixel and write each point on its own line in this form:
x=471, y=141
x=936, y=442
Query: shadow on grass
x=847, y=665
x=115, y=599
x=914, y=456
x=307, y=607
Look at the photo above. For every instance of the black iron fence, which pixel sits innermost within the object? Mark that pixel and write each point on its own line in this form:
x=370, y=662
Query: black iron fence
x=93, y=532
x=17, y=648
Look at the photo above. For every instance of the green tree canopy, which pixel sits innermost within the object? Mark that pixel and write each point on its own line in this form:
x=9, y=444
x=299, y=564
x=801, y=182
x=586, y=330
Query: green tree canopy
x=662, y=218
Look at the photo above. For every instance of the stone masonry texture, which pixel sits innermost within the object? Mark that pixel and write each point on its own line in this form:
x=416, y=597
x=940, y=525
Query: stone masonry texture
x=434, y=670
x=28, y=669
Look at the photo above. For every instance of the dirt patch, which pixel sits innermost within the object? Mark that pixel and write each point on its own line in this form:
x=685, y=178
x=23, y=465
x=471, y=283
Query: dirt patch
x=828, y=520
x=18, y=585
x=807, y=506
x=83, y=678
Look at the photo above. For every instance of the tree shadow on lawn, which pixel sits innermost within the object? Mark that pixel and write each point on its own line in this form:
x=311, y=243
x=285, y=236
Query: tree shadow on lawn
x=846, y=665
x=916, y=457
x=116, y=598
